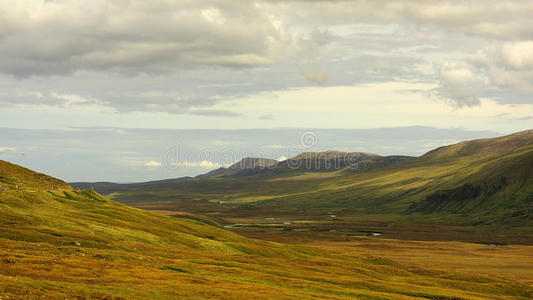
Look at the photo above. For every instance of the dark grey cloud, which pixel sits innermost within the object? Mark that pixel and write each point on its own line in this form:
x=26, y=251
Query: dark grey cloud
x=187, y=57
x=503, y=20
x=267, y=117
x=130, y=37
x=491, y=39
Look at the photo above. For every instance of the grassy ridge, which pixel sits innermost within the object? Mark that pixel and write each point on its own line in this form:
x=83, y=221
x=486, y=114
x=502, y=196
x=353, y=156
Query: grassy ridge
x=58, y=243
x=476, y=182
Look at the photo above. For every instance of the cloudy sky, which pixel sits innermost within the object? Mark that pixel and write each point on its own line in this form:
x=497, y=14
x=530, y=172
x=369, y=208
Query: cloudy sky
x=87, y=86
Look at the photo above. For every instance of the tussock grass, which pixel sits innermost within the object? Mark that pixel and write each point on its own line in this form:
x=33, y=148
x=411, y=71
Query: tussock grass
x=57, y=243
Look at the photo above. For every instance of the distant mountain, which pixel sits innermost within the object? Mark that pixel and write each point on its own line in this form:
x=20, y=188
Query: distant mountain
x=378, y=162
x=326, y=161
x=187, y=188
x=252, y=162
x=243, y=164
x=473, y=182
x=484, y=181
x=333, y=155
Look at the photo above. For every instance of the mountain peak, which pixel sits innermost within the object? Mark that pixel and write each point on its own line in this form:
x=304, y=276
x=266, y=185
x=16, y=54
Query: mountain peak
x=331, y=154
x=246, y=163
x=253, y=162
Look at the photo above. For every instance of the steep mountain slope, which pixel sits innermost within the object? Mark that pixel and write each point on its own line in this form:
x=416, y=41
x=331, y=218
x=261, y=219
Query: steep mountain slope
x=500, y=181
x=57, y=243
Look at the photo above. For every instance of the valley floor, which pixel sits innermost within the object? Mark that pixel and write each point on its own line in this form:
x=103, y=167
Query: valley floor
x=310, y=261
x=506, y=261
x=472, y=253
x=361, y=268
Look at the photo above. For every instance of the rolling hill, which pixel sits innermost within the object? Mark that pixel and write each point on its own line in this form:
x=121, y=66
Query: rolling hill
x=327, y=161
x=474, y=182
x=58, y=243
x=479, y=182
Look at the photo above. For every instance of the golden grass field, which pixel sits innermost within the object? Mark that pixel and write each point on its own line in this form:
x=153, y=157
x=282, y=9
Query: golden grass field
x=56, y=243
x=506, y=261
x=296, y=238
x=362, y=268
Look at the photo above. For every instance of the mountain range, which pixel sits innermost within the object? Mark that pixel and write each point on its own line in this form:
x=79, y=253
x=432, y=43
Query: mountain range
x=478, y=182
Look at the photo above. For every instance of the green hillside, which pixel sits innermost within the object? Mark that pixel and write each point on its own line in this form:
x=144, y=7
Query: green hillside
x=482, y=181
x=58, y=243
x=479, y=182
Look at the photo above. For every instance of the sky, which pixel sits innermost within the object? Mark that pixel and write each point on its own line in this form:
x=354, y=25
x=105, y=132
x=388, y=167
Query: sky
x=101, y=90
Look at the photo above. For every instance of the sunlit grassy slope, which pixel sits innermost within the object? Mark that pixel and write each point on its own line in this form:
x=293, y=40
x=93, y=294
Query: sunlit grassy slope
x=57, y=243
x=480, y=181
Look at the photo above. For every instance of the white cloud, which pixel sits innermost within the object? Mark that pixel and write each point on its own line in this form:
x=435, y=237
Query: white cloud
x=152, y=163
x=460, y=84
x=7, y=149
x=204, y=164
x=282, y=158
x=518, y=55
x=213, y=15
x=506, y=66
